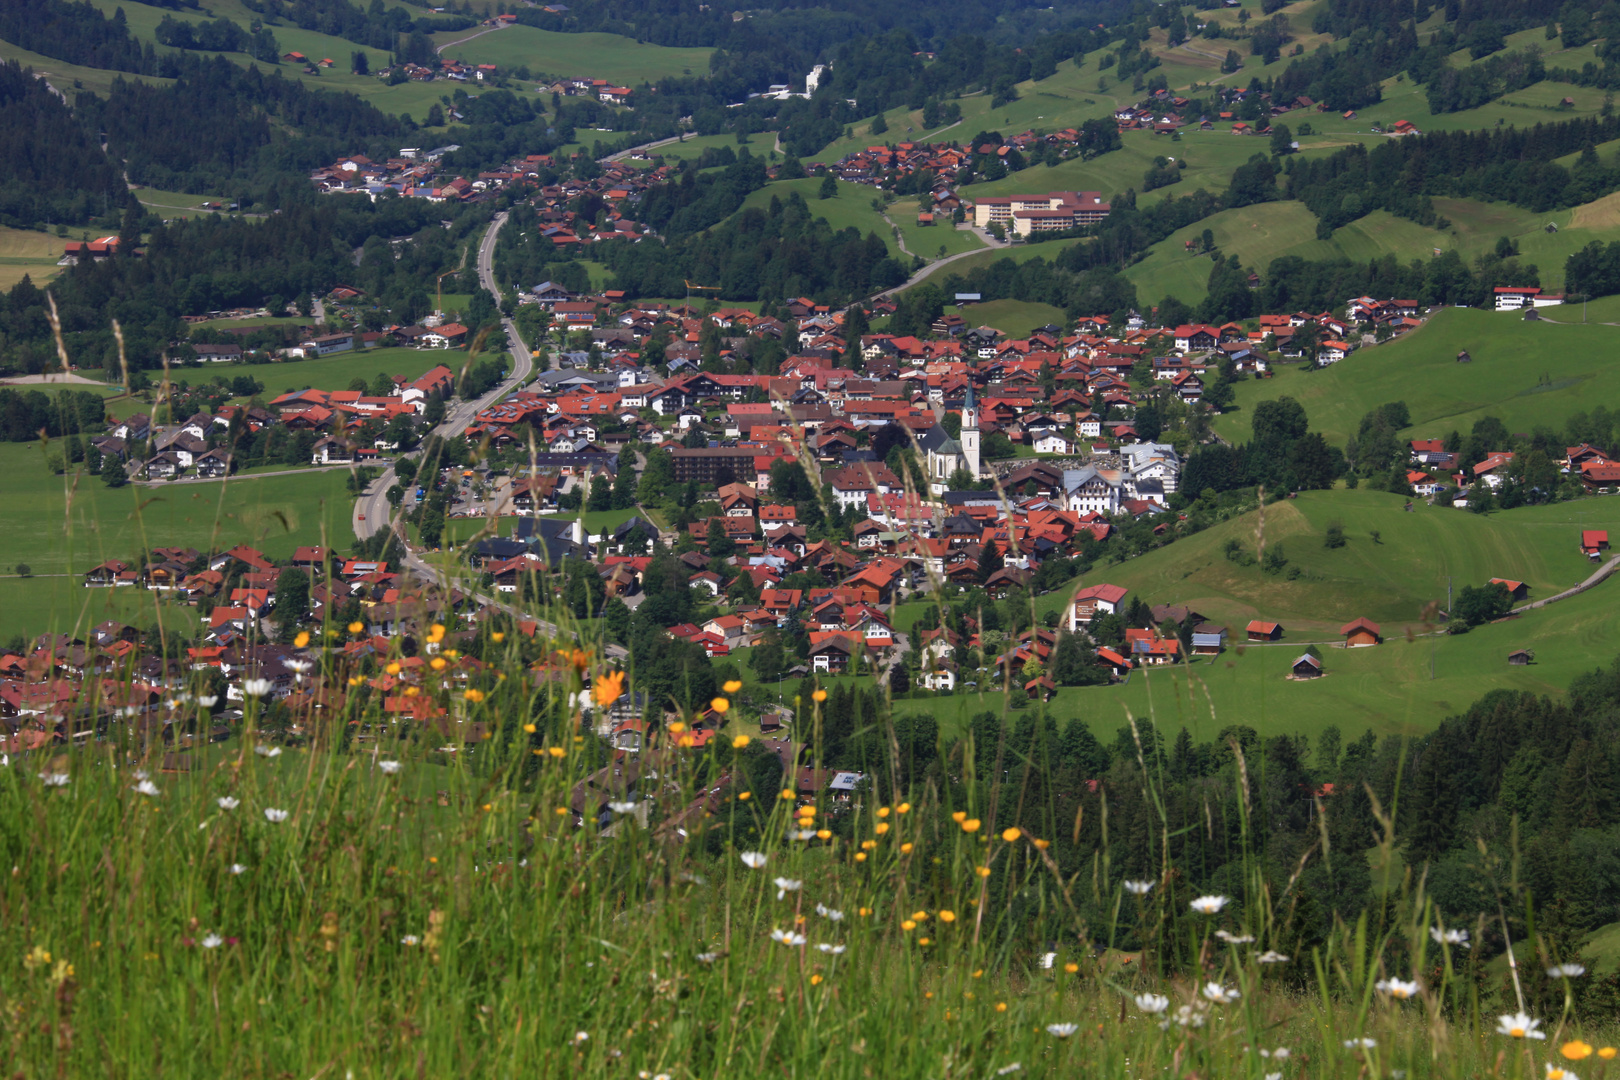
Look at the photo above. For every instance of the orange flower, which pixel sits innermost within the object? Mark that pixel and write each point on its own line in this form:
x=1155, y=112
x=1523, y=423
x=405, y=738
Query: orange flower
x=731, y=686
x=357, y=628
x=301, y=640
x=720, y=705
x=970, y=825
x=497, y=637
x=474, y=696
x=393, y=669
x=579, y=658
x=1042, y=844
x=1011, y=834
x=739, y=742
x=819, y=695
x=959, y=816
x=608, y=688
x=435, y=633
x=556, y=751
x=438, y=663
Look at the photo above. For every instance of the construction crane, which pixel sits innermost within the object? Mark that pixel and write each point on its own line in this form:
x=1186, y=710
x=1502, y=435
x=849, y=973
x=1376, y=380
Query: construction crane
x=700, y=288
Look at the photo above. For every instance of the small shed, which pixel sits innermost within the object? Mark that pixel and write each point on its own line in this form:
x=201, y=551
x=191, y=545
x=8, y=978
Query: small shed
x=1518, y=590
x=1041, y=689
x=1360, y=632
x=1521, y=657
x=1307, y=667
x=1593, y=541
x=1208, y=639
x=1260, y=630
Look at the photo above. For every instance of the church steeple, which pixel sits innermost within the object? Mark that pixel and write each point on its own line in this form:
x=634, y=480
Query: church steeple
x=970, y=429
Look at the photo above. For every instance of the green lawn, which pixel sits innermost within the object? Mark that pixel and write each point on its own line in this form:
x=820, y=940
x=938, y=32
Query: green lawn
x=71, y=526
x=927, y=240
x=618, y=59
x=1526, y=373
x=337, y=371
x=1015, y=318
x=63, y=605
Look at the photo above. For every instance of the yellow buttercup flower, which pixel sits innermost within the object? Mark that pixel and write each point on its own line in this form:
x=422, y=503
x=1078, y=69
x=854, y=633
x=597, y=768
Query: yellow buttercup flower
x=676, y=727
x=528, y=729
x=904, y=808
x=881, y=827
x=908, y=925
x=1001, y=1006
x=947, y=916
x=720, y=705
x=982, y=871
x=883, y=811
x=392, y=669
x=608, y=688
x=744, y=796
x=357, y=628
x=731, y=686
x=959, y=817
x=905, y=849
x=557, y=751
x=411, y=691
x=970, y=825
x=1042, y=844
x=474, y=695
x=1011, y=834
x=498, y=636
x=1576, y=1050
x=807, y=811
x=1607, y=1053
x=815, y=980
x=301, y=640
x=823, y=834
x=819, y=695
x=438, y=663
x=435, y=633
x=786, y=794
x=739, y=742
x=860, y=856
x=1071, y=968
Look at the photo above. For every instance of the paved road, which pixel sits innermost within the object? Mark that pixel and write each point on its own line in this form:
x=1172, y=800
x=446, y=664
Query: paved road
x=938, y=264
x=622, y=154
x=1597, y=575
x=242, y=476
x=462, y=41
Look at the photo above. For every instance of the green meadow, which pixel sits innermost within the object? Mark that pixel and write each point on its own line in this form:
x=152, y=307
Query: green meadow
x=1527, y=373
x=851, y=209
x=620, y=60
x=1399, y=581
x=1016, y=318
x=74, y=522
x=335, y=372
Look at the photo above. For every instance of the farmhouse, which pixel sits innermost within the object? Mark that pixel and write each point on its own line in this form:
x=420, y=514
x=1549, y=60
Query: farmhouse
x=1359, y=633
x=1260, y=630
x=1307, y=667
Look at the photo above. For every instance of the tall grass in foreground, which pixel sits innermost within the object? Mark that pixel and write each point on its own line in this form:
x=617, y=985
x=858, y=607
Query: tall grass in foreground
x=323, y=911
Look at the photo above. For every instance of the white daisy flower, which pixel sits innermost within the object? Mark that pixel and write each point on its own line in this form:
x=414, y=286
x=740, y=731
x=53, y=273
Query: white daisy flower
x=147, y=788
x=753, y=859
x=802, y=834
x=267, y=751
x=410, y=939
x=1219, y=994
x=580, y=1037
x=298, y=666
x=1048, y=959
x=1449, y=937
x=787, y=937
x=828, y=913
x=1360, y=1044
x=622, y=807
x=1396, y=988
x=1062, y=1031
x=207, y=701
x=1565, y=971
x=212, y=941
x=274, y=815
x=1209, y=905
x=1274, y=1076
x=389, y=768
x=1139, y=888
x=831, y=950
x=1008, y=1070
x=54, y=779
x=1272, y=956
x=786, y=885
x=1557, y=1072
x=1519, y=1026
x=227, y=803
x=257, y=687
x=1279, y=1054
x=1235, y=939
x=1152, y=1003
x=238, y=868
x=707, y=957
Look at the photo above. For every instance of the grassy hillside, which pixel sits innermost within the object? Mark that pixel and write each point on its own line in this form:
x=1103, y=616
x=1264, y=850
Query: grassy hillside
x=1385, y=689
x=1526, y=373
x=600, y=56
x=852, y=207
x=337, y=371
x=26, y=253
x=1014, y=317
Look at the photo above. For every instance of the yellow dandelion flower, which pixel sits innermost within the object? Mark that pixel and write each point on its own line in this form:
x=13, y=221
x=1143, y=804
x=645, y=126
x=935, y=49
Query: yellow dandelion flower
x=744, y=796
x=720, y=705
x=676, y=728
x=739, y=742
x=473, y=695
x=823, y=834
x=731, y=686
x=1012, y=834
x=970, y=825
x=357, y=628
x=819, y=695
x=908, y=925
x=905, y=849
x=947, y=916
x=393, y=669
x=557, y=751
x=786, y=795
x=1071, y=968
x=959, y=817
x=1001, y=1006
x=860, y=856
x=608, y=688
x=301, y=640
x=528, y=729
x=438, y=663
